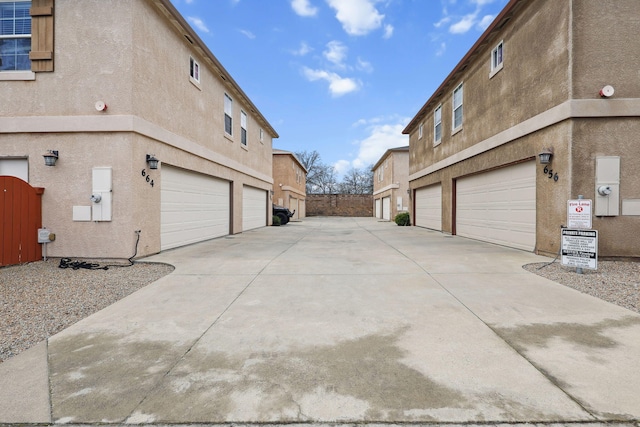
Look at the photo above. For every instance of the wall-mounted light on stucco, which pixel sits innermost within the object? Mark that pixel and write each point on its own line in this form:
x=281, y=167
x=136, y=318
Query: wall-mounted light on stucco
x=152, y=161
x=545, y=156
x=50, y=157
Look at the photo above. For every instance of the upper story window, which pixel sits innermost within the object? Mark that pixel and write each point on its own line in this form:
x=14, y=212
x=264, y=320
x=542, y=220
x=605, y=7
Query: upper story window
x=243, y=128
x=228, y=115
x=420, y=130
x=437, y=125
x=194, y=70
x=15, y=35
x=497, y=58
x=457, y=107
x=261, y=135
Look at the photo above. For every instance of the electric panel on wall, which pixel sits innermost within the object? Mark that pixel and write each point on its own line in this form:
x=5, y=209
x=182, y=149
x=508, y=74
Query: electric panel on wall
x=101, y=194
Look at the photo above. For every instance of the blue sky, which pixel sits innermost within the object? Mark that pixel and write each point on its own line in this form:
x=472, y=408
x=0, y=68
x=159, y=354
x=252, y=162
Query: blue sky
x=342, y=77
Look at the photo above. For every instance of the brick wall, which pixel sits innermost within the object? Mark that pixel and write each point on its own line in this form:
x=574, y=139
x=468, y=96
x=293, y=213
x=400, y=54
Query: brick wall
x=351, y=205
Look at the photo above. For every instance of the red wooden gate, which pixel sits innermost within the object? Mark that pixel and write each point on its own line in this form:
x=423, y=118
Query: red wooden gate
x=20, y=218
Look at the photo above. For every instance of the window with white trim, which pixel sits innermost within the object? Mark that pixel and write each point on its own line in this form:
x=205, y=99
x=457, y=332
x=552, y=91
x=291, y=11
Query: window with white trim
x=457, y=107
x=15, y=35
x=420, y=130
x=261, y=135
x=497, y=58
x=243, y=128
x=194, y=70
x=437, y=125
x=228, y=115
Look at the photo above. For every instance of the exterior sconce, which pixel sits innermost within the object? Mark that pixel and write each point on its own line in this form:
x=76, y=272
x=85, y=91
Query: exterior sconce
x=152, y=161
x=545, y=156
x=50, y=157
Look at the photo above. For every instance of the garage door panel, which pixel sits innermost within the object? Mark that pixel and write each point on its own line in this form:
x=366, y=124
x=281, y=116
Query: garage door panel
x=429, y=207
x=499, y=206
x=254, y=208
x=386, y=208
x=194, y=207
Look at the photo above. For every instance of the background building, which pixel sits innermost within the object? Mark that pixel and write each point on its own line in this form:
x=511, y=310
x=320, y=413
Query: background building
x=391, y=183
x=289, y=183
x=545, y=76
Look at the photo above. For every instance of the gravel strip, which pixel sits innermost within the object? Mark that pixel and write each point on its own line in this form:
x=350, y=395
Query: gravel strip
x=39, y=299
x=617, y=282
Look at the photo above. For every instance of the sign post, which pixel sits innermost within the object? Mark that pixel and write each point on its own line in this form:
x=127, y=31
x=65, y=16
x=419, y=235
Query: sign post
x=580, y=248
x=579, y=242
x=579, y=214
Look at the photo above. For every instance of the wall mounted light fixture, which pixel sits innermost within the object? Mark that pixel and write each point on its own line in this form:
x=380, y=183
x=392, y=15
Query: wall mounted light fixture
x=545, y=156
x=50, y=157
x=152, y=161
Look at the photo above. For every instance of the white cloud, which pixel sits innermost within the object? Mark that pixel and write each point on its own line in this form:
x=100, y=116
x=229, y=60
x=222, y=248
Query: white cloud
x=486, y=21
x=364, y=66
x=388, y=31
x=303, y=8
x=338, y=86
x=464, y=24
x=358, y=17
x=481, y=3
x=248, y=33
x=303, y=50
x=381, y=137
x=342, y=166
x=198, y=23
x=442, y=49
x=336, y=52
x=445, y=20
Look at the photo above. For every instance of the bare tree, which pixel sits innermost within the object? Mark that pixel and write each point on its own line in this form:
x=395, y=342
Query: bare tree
x=313, y=164
x=357, y=181
x=321, y=178
x=326, y=181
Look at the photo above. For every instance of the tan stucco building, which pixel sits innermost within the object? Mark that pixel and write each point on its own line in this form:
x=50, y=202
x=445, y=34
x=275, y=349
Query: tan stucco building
x=289, y=183
x=391, y=183
x=546, y=75
x=122, y=81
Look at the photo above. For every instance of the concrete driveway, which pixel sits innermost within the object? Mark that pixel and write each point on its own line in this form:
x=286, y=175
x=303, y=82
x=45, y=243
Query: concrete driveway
x=338, y=320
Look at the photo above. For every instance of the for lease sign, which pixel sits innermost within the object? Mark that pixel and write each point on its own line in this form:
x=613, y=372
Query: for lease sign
x=580, y=248
x=579, y=213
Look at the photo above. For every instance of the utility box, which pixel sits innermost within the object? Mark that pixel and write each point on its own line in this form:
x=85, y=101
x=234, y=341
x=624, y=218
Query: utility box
x=607, y=189
x=101, y=194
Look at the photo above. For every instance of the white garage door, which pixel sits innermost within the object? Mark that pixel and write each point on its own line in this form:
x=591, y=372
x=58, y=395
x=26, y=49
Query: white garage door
x=254, y=208
x=302, y=205
x=193, y=207
x=293, y=207
x=386, y=208
x=378, y=208
x=499, y=206
x=429, y=207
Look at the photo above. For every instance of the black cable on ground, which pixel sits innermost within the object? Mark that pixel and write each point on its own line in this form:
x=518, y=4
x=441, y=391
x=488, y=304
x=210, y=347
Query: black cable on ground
x=77, y=265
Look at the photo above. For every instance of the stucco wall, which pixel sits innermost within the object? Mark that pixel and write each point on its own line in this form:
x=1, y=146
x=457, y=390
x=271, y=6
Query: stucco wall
x=534, y=78
x=127, y=54
x=605, y=47
x=163, y=93
x=610, y=137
